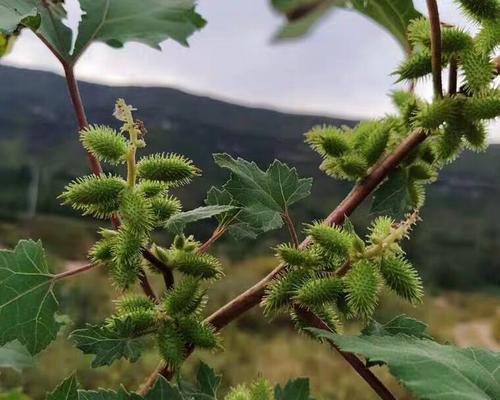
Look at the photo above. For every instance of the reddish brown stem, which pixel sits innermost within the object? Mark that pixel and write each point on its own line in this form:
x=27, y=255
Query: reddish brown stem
x=253, y=296
x=146, y=286
x=453, y=77
x=168, y=276
x=81, y=118
x=368, y=376
x=291, y=228
x=216, y=235
x=435, y=24
x=74, y=271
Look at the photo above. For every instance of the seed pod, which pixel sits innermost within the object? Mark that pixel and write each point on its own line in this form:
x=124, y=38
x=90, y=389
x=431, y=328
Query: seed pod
x=333, y=240
x=319, y=291
x=187, y=297
x=94, y=195
x=280, y=291
x=362, y=285
x=173, y=169
x=291, y=255
x=402, y=278
x=105, y=143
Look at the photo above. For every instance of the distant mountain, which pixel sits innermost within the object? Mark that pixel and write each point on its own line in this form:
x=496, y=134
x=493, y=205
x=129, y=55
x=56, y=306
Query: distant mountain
x=40, y=153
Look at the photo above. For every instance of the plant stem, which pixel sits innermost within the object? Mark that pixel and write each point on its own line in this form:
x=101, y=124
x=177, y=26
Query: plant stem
x=253, y=296
x=74, y=271
x=168, y=276
x=435, y=24
x=81, y=118
x=95, y=165
x=453, y=77
x=291, y=228
x=368, y=376
x=216, y=235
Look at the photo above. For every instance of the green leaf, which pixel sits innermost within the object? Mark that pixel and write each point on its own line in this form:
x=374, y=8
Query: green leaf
x=148, y=21
x=208, y=380
x=393, y=196
x=15, y=355
x=263, y=196
x=163, y=390
x=178, y=222
x=108, y=345
x=27, y=300
x=67, y=390
x=244, y=223
x=221, y=197
x=402, y=324
x=114, y=22
x=393, y=15
x=429, y=369
x=297, y=389
x=302, y=15
x=15, y=12
x=104, y=394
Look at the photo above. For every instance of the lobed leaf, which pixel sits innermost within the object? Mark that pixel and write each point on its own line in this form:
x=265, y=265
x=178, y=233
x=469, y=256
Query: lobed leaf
x=27, y=300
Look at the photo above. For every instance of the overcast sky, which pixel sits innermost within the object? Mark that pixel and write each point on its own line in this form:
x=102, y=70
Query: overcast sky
x=342, y=69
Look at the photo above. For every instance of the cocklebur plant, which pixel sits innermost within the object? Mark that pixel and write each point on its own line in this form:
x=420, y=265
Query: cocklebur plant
x=141, y=203
x=339, y=275
x=331, y=276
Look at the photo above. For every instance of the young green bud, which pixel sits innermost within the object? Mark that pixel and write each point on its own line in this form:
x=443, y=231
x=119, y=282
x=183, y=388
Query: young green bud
x=432, y=115
x=421, y=171
x=454, y=40
x=479, y=71
x=261, y=390
x=101, y=251
x=333, y=240
x=94, y=195
x=280, y=291
x=203, y=266
x=483, y=106
x=328, y=140
x=402, y=278
x=476, y=136
x=375, y=145
x=136, y=211
x=488, y=37
x=127, y=257
x=319, y=291
x=481, y=9
x=164, y=208
x=173, y=169
x=187, y=297
x=151, y=188
x=134, y=303
x=105, y=143
x=239, y=392
x=449, y=143
x=171, y=345
x=132, y=323
x=418, y=65
x=198, y=333
x=416, y=191
x=291, y=255
x=362, y=284
x=353, y=165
